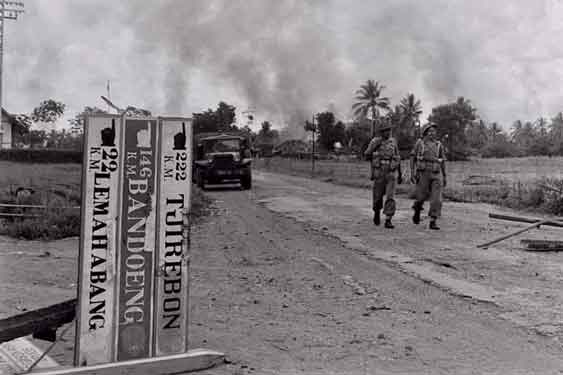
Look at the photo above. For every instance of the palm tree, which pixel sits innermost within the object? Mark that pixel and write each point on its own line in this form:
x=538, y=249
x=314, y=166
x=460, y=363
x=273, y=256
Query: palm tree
x=517, y=128
x=556, y=127
x=411, y=110
x=370, y=101
x=541, y=126
x=556, y=133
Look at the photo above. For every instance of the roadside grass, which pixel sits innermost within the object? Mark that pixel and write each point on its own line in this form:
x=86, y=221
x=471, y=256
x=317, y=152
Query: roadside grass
x=533, y=184
x=58, y=187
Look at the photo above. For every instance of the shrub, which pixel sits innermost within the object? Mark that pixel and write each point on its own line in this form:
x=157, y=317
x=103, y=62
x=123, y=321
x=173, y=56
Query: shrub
x=55, y=222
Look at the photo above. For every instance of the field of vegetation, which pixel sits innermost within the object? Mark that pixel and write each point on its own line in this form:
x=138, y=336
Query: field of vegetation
x=56, y=186
x=531, y=183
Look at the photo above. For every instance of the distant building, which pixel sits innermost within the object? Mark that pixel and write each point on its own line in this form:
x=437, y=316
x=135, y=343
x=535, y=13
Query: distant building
x=8, y=123
x=292, y=147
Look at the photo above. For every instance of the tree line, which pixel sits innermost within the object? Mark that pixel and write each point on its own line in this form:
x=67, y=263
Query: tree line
x=460, y=128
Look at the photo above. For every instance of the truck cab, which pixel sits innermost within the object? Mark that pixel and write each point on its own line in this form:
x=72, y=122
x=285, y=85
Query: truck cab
x=222, y=158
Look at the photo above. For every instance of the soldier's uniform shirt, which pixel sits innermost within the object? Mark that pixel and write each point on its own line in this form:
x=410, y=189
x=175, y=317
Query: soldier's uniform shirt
x=385, y=161
x=429, y=155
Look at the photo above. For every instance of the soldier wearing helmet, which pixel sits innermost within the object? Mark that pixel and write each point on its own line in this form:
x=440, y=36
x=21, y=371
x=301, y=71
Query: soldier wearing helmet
x=385, y=173
x=428, y=172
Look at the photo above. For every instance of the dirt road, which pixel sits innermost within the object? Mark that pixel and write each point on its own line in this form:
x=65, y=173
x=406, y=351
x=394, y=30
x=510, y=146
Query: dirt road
x=320, y=290
x=292, y=277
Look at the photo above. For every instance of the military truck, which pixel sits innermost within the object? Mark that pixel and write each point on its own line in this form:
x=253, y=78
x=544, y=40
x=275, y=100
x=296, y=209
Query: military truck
x=222, y=158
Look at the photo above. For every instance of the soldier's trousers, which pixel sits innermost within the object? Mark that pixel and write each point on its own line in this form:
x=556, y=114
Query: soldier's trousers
x=384, y=182
x=429, y=187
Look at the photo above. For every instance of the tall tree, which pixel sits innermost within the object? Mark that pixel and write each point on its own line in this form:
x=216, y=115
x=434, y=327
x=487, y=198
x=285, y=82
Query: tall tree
x=411, y=110
x=542, y=143
x=452, y=119
x=226, y=116
x=556, y=134
x=326, y=122
x=21, y=129
x=370, y=101
x=357, y=135
x=221, y=119
x=524, y=135
x=477, y=134
x=78, y=121
x=205, y=122
x=498, y=144
x=494, y=131
x=48, y=111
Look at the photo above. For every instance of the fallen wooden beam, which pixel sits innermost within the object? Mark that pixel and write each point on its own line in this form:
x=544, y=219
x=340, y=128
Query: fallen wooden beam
x=543, y=245
x=546, y=249
x=552, y=243
x=520, y=219
x=192, y=360
x=41, y=322
x=534, y=225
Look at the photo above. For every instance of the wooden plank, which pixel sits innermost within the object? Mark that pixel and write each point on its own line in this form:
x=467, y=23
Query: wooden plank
x=137, y=240
x=38, y=320
x=542, y=245
x=502, y=238
x=171, y=300
x=521, y=219
x=98, y=242
x=547, y=249
x=542, y=242
x=193, y=360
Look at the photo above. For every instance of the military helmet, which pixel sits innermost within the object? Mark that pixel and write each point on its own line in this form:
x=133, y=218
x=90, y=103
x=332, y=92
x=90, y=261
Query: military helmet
x=426, y=127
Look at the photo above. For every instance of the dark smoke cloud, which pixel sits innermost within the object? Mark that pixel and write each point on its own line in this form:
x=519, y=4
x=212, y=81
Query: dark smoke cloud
x=287, y=58
x=277, y=55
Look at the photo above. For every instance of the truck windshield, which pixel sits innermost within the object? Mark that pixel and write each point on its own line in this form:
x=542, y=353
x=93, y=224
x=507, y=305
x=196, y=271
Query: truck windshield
x=222, y=145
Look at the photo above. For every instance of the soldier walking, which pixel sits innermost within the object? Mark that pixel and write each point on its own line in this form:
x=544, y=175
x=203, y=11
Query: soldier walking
x=428, y=172
x=385, y=173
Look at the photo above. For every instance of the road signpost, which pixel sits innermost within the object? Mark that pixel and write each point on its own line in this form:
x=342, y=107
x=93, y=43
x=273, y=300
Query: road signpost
x=134, y=249
x=171, y=297
x=137, y=244
x=96, y=322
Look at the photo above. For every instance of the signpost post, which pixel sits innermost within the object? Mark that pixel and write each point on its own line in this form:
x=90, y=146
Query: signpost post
x=96, y=322
x=134, y=249
x=171, y=321
x=137, y=243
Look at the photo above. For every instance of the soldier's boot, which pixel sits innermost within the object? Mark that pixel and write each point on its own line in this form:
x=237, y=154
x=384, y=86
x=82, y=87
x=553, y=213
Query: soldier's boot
x=433, y=224
x=416, y=217
x=388, y=223
x=376, y=217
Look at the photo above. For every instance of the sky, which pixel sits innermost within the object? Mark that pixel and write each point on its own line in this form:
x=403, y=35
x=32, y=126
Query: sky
x=286, y=59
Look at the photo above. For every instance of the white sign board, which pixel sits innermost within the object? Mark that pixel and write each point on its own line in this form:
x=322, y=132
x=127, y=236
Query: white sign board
x=97, y=266
x=174, y=203
x=133, y=287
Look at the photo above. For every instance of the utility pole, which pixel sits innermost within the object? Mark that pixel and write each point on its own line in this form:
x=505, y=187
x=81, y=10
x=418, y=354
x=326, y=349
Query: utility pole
x=9, y=10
